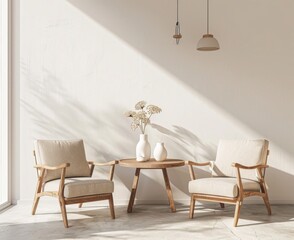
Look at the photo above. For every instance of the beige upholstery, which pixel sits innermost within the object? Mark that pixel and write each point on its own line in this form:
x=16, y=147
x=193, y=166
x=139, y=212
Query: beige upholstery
x=56, y=152
x=237, y=173
x=245, y=152
x=84, y=186
x=64, y=173
x=221, y=186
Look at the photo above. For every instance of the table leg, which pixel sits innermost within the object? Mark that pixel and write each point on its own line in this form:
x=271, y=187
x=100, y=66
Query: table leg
x=168, y=190
x=134, y=190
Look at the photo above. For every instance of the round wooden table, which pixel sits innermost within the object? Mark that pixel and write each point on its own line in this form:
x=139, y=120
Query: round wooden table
x=151, y=164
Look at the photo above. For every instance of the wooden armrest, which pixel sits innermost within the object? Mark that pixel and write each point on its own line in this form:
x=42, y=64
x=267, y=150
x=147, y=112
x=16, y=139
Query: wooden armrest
x=197, y=164
x=238, y=165
x=111, y=163
x=191, y=164
x=43, y=168
x=64, y=165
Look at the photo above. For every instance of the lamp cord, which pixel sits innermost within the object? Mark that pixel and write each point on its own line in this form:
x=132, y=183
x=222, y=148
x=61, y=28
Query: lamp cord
x=177, y=11
x=207, y=16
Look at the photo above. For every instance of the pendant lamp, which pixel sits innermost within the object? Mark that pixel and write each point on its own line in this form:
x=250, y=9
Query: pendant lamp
x=207, y=42
x=177, y=34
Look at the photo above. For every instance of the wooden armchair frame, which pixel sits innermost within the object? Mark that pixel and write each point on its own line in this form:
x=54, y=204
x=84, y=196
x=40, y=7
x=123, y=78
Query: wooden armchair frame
x=41, y=171
x=238, y=201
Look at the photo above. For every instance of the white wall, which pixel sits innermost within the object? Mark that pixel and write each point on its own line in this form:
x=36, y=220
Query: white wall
x=84, y=63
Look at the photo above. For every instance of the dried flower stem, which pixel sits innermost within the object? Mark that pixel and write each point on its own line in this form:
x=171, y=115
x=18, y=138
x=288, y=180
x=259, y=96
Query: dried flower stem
x=142, y=114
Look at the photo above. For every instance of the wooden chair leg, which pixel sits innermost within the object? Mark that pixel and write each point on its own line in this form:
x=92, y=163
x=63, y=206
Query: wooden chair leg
x=111, y=206
x=222, y=205
x=38, y=191
x=80, y=205
x=134, y=190
x=267, y=204
x=192, y=207
x=35, y=205
x=168, y=190
x=237, y=213
x=266, y=199
x=63, y=211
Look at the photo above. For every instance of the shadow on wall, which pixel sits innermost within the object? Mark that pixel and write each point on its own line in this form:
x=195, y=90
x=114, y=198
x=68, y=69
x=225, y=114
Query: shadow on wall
x=252, y=73
x=277, y=181
x=69, y=119
x=57, y=115
x=250, y=80
x=189, y=144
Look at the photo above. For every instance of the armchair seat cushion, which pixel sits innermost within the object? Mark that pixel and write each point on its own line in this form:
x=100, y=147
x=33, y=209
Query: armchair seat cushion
x=221, y=186
x=82, y=186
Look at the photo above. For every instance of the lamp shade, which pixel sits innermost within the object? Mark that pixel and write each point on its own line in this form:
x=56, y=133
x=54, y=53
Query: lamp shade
x=207, y=43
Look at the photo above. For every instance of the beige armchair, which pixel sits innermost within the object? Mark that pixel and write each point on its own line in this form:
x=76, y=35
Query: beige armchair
x=64, y=173
x=238, y=172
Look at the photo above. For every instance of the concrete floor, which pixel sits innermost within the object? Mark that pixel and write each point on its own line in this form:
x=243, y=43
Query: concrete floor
x=147, y=222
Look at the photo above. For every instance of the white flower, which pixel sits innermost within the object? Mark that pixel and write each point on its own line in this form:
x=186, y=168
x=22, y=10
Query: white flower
x=130, y=113
x=152, y=109
x=140, y=105
x=141, y=116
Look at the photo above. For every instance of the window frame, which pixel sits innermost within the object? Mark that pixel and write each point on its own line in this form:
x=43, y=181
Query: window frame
x=5, y=94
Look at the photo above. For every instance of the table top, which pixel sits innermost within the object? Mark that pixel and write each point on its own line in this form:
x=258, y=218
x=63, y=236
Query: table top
x=152, y=163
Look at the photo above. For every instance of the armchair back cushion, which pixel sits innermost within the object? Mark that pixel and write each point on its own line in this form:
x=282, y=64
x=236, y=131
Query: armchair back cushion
x=56, y=152
x=245, y=152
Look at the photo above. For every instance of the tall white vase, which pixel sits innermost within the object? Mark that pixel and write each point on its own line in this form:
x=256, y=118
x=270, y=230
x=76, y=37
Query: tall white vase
x=160, y=152
x=143, y=149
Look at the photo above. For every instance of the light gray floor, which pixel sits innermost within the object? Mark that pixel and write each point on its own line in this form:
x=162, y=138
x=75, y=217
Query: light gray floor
x=147, y=222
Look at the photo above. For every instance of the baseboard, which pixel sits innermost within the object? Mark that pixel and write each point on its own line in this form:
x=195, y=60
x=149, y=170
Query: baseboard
x=121, y=202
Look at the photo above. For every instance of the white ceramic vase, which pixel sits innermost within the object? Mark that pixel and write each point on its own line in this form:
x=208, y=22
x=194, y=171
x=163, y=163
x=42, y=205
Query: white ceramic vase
x=160, y=152
x=143, y=149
